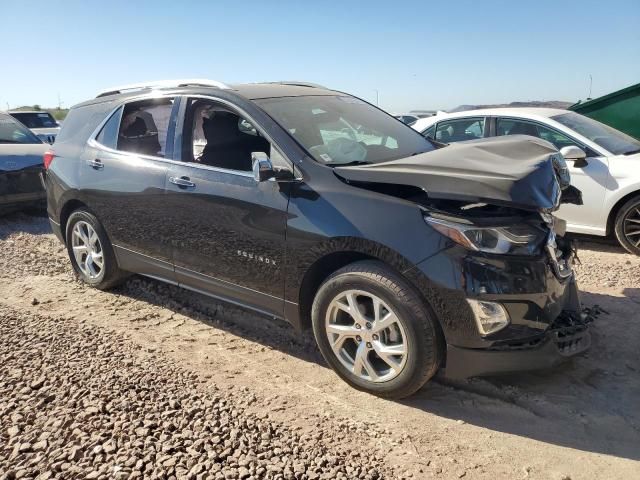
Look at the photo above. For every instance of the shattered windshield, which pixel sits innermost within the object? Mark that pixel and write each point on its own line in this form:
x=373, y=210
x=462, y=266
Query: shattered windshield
x=343, y=130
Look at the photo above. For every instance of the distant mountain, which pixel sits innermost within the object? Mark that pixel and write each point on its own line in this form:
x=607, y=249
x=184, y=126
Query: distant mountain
x=543, y=104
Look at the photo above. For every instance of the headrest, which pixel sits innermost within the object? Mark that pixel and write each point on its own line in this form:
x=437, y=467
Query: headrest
x=220, y=127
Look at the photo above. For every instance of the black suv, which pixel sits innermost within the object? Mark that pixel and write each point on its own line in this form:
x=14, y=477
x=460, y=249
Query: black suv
x=405, y=256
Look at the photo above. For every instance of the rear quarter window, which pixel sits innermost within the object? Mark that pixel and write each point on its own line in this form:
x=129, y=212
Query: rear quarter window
x=81, y=122
x=108, y=135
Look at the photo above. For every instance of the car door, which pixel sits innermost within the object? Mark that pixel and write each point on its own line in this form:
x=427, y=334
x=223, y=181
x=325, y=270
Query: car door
x=591, y=179
x=123, y=181
x=227, y=229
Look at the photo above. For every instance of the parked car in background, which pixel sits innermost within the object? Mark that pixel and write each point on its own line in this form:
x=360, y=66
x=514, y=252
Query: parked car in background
x=314, y=206
x=21, y=166
x=41, y=123
x=414, y=115
x=407, y=118
x=604, y=162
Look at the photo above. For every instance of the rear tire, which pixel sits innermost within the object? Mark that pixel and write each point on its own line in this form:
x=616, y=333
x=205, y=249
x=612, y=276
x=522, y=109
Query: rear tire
x=627, y=226
x=90, y=251
x=375, y=331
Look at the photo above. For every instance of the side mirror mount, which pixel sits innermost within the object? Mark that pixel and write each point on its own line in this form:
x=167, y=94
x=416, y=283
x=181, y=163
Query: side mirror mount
x=264, y=170
x=576, y=155
x=262, y=167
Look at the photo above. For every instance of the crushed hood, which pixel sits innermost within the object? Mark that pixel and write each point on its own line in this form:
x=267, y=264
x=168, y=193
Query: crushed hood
x=516, y=171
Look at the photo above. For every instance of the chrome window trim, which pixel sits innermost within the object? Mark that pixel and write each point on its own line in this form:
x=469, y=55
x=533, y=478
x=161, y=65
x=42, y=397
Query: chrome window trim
x=93, y=143
x=255, y=124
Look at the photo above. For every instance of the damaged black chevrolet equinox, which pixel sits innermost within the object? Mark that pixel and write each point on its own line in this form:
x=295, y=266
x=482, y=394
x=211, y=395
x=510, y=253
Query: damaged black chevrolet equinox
x=405, y=256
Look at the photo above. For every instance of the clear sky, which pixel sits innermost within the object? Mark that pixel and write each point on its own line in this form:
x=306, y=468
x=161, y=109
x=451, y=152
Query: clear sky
x=417, y=55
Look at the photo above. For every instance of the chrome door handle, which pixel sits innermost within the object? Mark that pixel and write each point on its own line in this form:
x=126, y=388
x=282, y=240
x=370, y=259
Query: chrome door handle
x=182, y=182
x=97, y=164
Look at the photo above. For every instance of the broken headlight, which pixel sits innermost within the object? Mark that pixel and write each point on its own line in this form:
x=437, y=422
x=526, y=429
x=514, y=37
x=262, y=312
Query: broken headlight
x=517, y=239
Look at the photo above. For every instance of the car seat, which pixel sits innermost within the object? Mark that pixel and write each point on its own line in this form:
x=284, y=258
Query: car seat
x=227, y=147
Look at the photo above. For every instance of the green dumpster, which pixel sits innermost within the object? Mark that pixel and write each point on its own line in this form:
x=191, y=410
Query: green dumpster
x=620, y=110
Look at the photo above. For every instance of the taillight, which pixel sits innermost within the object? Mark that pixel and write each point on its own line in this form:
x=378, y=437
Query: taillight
x=48, y=158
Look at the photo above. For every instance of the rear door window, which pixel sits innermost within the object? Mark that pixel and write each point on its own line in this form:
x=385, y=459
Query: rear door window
x=510, y=126
x=144, y=127
x=460, y=130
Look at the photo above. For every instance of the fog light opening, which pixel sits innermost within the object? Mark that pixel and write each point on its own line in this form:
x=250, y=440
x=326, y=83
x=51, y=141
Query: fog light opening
x=490, y=316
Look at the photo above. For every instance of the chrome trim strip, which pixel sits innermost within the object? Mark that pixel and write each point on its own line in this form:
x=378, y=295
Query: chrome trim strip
x=210, y=295
x=233, y=302
x=201, y=274
x=145, y=256
x=160, y=279
x=225, y=281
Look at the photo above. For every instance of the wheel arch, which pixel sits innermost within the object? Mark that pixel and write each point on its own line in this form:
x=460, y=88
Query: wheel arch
x=326, y=265
x=613, y=213
x=65, y=212
x=317, y=273
x=340, y=253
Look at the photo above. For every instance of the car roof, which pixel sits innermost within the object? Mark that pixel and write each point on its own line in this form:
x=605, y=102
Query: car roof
x=525, y=112
x=254, y=91
x=250, y=91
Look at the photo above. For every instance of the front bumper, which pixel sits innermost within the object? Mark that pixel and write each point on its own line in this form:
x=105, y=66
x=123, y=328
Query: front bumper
x=567, y=337
x=547, y=324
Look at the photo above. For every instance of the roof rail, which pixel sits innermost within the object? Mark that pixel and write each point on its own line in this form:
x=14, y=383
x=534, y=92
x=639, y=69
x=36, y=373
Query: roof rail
x=187, y=82
x=294, y=83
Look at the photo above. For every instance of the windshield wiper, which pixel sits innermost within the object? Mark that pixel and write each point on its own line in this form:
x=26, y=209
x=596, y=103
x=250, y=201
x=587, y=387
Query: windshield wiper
x=632, y=152
x=349, y=164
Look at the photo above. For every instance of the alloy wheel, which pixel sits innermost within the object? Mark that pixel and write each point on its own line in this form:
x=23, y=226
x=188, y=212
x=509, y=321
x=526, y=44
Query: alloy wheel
x=87, y=250
x=366, y=336
x=631, y=226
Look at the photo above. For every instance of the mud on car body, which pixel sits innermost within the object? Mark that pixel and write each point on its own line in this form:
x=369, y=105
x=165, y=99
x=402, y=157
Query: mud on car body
x=314, y=206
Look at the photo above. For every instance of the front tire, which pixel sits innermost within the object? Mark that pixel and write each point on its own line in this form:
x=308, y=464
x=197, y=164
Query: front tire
x=375, y=331
x=627, y=226
x=90, y=251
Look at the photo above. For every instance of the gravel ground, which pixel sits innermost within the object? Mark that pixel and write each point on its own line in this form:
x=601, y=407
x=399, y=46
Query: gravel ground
x=152, y=381
x=78, y=402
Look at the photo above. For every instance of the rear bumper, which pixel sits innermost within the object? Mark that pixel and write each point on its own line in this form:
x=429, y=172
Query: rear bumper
x=568, y=337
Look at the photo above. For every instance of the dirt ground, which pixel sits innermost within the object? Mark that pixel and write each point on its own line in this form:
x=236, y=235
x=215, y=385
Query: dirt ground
x=284, y=413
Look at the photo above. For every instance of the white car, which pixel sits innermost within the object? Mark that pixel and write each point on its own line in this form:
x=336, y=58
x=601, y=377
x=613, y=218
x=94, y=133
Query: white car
x=604, y=162
x=41, y=123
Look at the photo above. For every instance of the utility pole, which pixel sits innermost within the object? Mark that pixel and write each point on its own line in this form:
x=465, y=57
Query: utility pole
x=377, y=102
x=590, y=86
x=59, y=102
